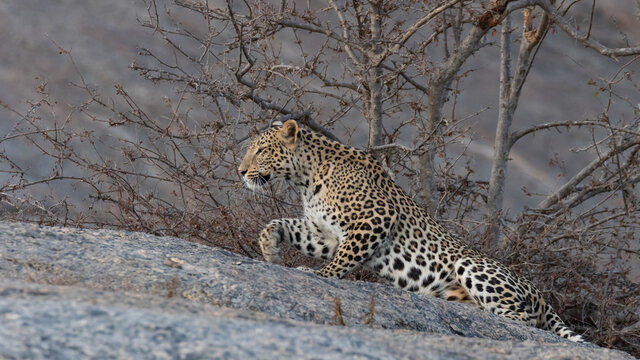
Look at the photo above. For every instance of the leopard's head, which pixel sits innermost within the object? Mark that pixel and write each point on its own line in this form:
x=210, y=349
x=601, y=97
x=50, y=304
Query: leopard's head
x=271, y=155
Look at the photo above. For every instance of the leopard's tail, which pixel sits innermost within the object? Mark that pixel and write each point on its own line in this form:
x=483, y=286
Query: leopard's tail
x=551, y=321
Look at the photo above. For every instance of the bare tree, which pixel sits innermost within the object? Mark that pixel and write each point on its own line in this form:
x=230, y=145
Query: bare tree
x=511, y=84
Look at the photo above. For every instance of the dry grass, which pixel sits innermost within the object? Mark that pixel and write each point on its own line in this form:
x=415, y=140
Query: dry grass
x=337, y=315
x=172, y=287
x=371, y=312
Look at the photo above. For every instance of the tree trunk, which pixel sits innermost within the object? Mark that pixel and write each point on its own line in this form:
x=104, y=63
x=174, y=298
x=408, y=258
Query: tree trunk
x=375, y=108
x=502, y=141
x=436, y=99
x=510, y=87
x=374, y=81
x=437, y=93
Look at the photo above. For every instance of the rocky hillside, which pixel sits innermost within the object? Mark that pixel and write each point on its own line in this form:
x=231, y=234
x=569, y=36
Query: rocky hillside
x=69, y=293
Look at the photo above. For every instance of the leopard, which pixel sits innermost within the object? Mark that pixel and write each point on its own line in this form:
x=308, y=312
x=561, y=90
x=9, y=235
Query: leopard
x=354, y=214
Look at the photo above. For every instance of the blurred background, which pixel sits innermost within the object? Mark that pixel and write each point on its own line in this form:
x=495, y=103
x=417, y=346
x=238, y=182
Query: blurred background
x=104, y=38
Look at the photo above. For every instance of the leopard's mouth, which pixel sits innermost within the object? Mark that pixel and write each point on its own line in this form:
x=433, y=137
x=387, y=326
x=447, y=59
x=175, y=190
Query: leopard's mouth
x=258, y=181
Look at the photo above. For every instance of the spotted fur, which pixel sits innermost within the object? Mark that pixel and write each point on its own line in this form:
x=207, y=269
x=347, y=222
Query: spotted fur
x=354, y=214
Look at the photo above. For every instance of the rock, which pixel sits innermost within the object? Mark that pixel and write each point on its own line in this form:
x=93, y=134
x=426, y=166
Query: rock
x=44, y=321
x=70, y=293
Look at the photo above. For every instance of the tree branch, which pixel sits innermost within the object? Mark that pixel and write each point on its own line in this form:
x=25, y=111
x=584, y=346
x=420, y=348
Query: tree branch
x=563, y=23
x=315, y=29
x=328, y=83
x=304, y=117
x=517, y=135
x=569, y=186
x=405, y=76
x=393, y=146
x=412, y=30
x=345, y=33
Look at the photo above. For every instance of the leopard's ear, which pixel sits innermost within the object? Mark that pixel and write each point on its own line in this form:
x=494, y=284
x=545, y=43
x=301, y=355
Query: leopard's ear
x=288, y=134
x=276, y=123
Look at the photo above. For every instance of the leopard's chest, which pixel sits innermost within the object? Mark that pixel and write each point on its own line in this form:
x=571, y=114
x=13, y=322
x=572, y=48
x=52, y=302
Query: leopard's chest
x=324, y=217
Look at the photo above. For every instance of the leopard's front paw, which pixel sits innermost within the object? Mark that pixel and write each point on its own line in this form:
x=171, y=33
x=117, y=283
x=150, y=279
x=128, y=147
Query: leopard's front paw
x=269, y=240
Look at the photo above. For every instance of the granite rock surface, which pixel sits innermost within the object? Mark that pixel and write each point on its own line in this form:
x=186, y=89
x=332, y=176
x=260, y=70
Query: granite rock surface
x=70, y=293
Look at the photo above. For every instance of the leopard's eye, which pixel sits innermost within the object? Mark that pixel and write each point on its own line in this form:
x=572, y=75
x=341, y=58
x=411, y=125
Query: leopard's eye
x=259, y=151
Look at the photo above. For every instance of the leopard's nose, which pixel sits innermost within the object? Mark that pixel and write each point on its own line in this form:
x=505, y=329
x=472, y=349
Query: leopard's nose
x=242, y=172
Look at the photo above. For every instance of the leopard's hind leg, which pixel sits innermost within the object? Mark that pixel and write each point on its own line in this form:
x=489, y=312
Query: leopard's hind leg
x=456, y=292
